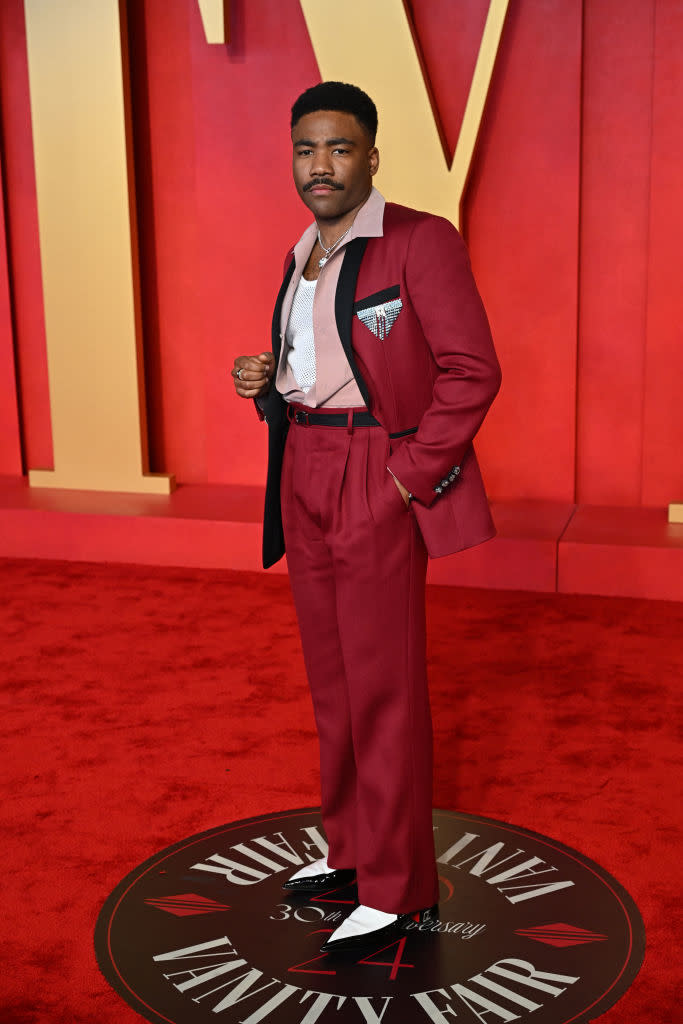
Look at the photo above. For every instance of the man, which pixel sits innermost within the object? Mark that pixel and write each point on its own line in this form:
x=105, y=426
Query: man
x=381, y=373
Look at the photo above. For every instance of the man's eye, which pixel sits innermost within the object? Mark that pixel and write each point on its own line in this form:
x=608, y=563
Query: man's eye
x=303, y=152
x=340, y=149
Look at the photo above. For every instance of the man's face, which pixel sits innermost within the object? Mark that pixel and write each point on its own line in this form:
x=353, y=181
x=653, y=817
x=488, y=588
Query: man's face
x=333, y=163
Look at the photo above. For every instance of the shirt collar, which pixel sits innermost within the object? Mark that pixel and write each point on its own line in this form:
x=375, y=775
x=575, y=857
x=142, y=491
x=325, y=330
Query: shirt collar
x=368, y=224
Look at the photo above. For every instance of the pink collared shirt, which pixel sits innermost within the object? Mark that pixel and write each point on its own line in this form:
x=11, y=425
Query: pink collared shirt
x=335, y=385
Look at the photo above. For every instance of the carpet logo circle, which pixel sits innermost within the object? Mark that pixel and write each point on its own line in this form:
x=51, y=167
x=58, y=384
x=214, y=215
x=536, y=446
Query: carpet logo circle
x=528, y=930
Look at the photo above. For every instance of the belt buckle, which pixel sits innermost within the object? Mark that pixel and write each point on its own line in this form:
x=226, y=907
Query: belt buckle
x=301, y=417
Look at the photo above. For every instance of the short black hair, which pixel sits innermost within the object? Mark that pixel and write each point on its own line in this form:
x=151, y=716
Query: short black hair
x=338, y=96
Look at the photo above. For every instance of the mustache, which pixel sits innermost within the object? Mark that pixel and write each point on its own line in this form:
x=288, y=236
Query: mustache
x=323, y=181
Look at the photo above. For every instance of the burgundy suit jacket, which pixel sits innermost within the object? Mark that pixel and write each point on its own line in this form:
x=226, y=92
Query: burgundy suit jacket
x=435, y=370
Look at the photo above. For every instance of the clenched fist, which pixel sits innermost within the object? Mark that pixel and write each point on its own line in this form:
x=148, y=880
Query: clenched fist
x=252, y=374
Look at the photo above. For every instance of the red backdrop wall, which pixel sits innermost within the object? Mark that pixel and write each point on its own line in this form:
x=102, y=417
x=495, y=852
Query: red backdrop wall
x=572, y=216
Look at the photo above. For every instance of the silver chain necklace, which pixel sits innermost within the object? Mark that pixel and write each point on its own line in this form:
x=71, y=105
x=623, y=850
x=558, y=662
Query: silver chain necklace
x=328, y=252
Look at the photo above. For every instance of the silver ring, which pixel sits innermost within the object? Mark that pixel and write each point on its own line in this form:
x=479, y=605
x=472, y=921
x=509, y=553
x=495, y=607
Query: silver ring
x=239, y=374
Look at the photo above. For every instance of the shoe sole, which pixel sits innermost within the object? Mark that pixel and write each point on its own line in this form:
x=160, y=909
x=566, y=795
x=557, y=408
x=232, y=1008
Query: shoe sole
x=379, y=934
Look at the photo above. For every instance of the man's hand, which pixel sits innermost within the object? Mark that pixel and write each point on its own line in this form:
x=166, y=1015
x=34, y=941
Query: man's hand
x=255, y=374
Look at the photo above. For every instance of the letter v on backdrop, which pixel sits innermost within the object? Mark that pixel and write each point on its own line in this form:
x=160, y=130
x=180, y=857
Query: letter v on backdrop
x=371, y=45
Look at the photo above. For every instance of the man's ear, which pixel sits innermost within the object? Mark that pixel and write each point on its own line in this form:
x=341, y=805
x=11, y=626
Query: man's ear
x=373, y=160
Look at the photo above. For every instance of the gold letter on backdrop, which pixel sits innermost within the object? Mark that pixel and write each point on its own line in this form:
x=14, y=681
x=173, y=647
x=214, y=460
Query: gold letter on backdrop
x=88, y=248
x=215, y=20
x=371, y=45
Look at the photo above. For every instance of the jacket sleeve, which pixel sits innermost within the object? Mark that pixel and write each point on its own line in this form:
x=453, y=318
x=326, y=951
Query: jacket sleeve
x=444, y=296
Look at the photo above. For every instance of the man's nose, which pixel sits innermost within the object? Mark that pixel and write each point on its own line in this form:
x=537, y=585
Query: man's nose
x=321, y=166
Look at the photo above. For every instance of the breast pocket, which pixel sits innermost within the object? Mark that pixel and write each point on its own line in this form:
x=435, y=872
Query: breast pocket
x=379, y=312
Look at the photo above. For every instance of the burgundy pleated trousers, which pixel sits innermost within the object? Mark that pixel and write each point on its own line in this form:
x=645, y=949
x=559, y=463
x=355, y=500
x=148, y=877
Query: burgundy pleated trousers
x=357, y=566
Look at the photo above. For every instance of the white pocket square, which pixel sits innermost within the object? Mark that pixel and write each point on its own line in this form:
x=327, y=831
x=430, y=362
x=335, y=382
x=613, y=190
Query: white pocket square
x=380, y=319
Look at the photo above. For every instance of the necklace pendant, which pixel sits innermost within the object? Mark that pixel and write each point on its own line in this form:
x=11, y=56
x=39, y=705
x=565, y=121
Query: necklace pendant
x=322, y=262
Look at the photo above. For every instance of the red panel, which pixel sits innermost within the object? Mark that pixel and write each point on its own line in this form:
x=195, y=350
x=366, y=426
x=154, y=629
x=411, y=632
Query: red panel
x=663, y=400
x=204, y=527
x=217, y=213
x=220, y=527
x=522, y=557
x=521, y=227
x=139, y=540
x=541, y=546
x=248, y=209
x=622, y=552
x=448, y=37
x=163, y=116
x=10, y=440
x=24, y=246
x=617, y=126
x=611, y=551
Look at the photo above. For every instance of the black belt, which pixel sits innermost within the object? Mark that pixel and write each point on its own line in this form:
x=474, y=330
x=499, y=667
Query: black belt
x=349, y=418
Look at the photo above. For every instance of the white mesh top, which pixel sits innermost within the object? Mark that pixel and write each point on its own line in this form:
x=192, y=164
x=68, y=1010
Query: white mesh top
x=299, y=335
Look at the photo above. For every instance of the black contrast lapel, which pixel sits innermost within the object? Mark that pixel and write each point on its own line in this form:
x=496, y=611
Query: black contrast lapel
x=343, y=305
x=277, y=312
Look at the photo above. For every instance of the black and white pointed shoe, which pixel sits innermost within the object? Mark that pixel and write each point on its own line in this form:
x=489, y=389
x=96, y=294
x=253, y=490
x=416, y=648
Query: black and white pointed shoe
x=317, y=877
x=365, y=926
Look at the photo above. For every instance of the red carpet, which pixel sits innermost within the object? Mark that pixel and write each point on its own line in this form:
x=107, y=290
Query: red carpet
x=142, y=705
